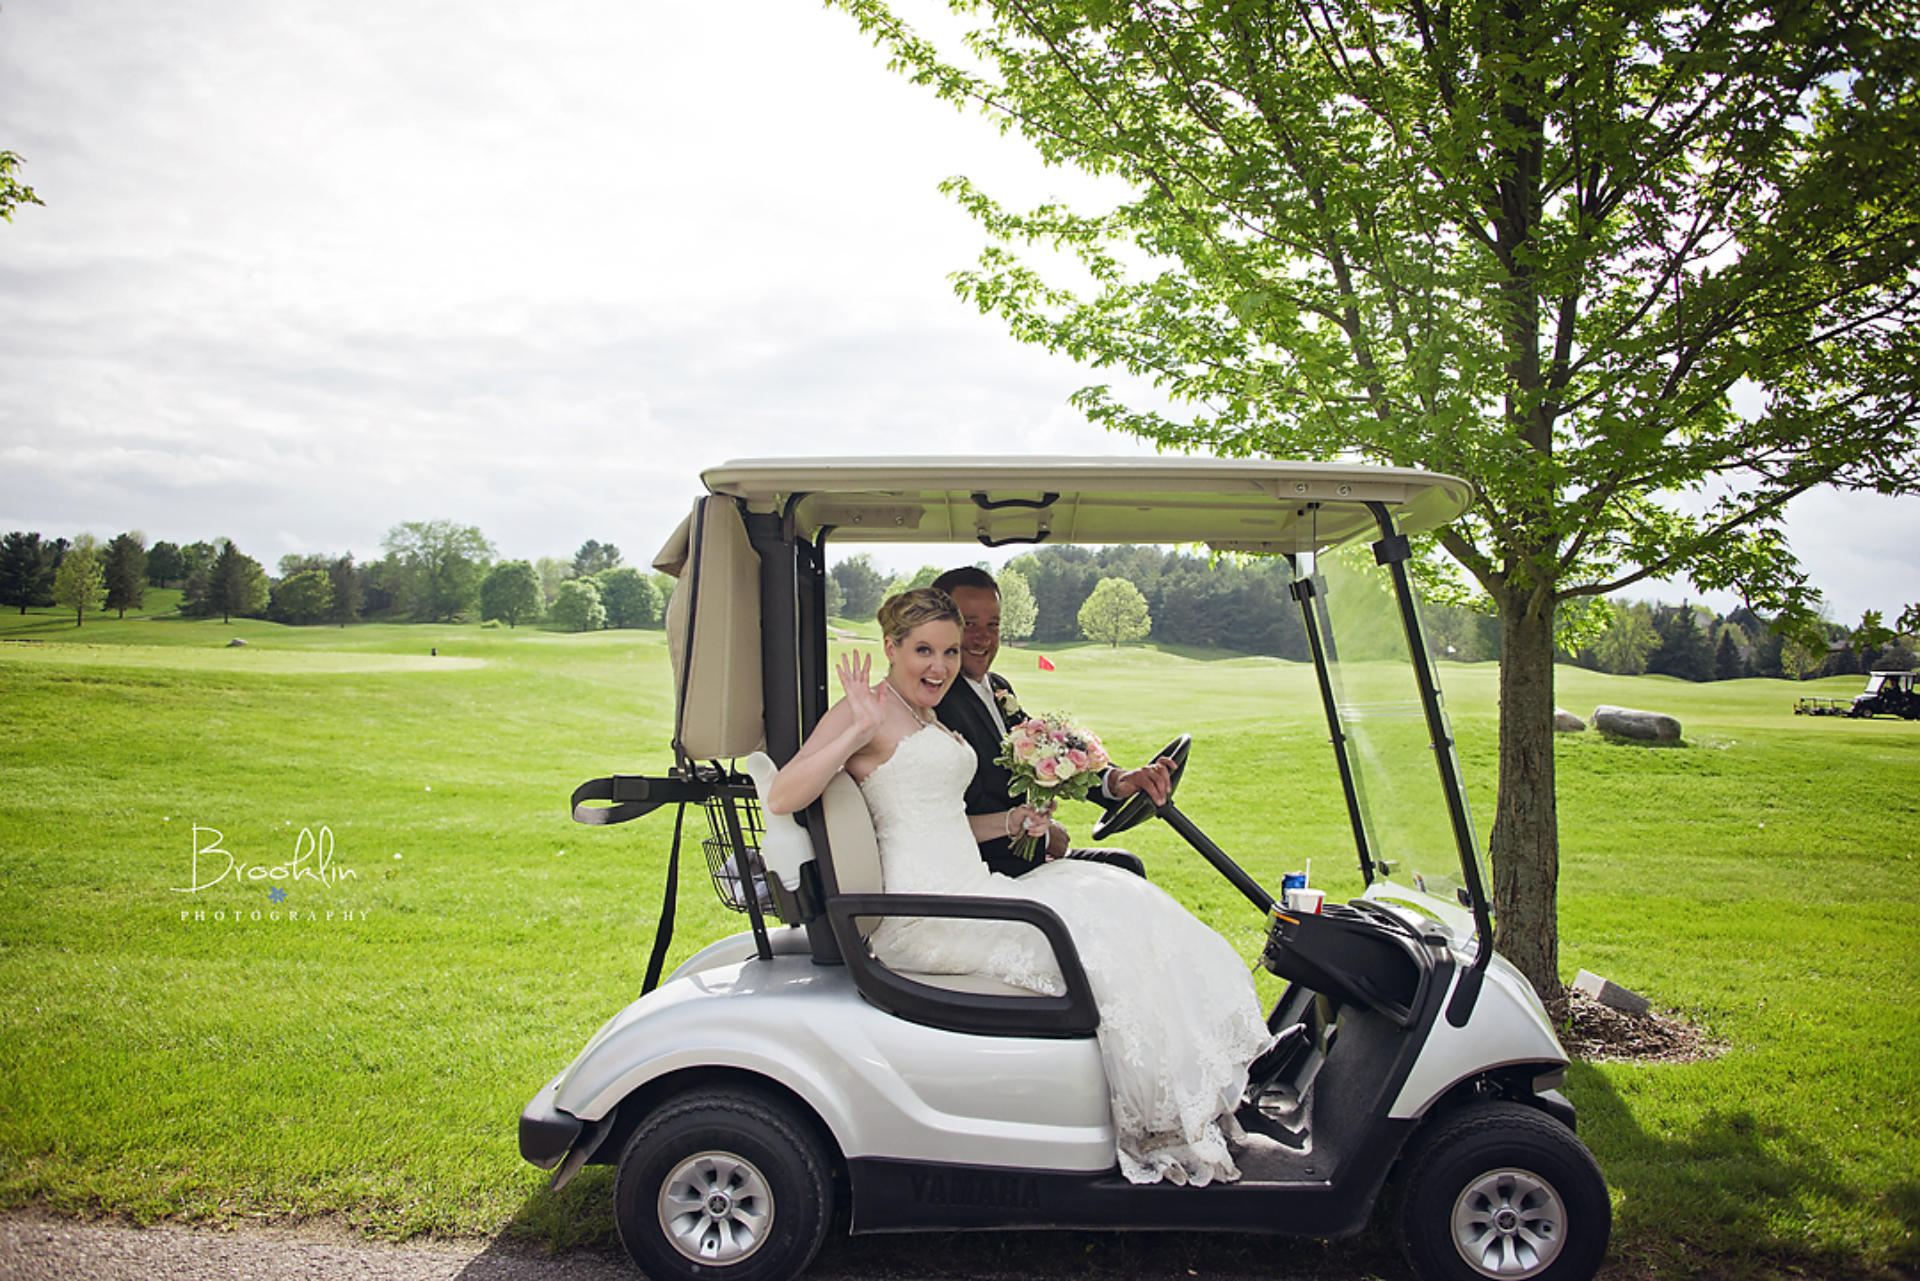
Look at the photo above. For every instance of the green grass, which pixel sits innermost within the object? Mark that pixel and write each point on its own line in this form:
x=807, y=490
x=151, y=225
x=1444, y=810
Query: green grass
x=1759, y=879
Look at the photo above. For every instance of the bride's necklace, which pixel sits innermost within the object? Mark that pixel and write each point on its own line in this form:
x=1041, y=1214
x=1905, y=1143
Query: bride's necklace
x=911, y=709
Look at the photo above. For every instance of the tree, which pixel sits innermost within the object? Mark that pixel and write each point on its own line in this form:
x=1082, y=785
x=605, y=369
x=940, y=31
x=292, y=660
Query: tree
x=1017, y=610
x=1628, y=640
x=577, y=608
x=1683, y=650
x=13, y=192
x=861, y=586
x=304, y=597
x=511, y=592
x=1728, y=663
x=442, y=562
x=233, y=584
x=24, y=576
x=348, y=596
x=1541, y=247
x=126, y=570
x=1115, y=612
x=80, y=584
x=629, y=597
x=196, y=558
x=553, y=571
x=164, y=564
x=593, y=557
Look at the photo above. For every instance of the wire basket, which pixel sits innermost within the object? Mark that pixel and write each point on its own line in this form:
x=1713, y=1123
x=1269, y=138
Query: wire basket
x=722, y=863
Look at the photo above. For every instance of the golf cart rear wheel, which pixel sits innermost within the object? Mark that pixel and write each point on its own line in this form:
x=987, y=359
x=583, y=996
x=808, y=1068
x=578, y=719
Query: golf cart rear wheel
x=723, y=1183
x=1503, y=1192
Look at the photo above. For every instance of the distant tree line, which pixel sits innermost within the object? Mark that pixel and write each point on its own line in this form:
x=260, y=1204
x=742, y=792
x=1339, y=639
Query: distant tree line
x=1244, y=604
x=431, y=571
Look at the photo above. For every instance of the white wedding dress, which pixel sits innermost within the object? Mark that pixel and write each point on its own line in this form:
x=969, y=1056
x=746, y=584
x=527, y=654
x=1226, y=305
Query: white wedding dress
x=1179, y=1017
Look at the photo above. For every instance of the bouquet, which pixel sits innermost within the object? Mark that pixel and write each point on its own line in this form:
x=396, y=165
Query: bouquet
x=1052, y=759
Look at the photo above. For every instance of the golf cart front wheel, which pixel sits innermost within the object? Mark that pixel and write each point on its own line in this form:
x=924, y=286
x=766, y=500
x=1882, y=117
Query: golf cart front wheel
x=723, y=1183
x=1501, y=1192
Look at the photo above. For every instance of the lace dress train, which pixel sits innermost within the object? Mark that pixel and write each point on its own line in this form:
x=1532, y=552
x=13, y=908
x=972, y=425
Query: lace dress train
x=1179, y=1017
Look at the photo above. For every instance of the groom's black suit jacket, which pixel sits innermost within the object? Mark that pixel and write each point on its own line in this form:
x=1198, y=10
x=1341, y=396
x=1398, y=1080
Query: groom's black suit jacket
x=961, y=710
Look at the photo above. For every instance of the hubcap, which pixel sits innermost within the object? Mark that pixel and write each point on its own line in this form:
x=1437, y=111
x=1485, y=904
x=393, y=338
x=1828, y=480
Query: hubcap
x=1508, y=1224
x=715, y=1208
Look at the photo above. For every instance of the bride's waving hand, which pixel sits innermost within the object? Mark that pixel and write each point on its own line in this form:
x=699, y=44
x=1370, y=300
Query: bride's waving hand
x=846, y=730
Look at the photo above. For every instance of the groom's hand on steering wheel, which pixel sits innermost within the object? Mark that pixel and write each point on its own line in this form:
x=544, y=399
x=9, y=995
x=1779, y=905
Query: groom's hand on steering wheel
x=1156, y=780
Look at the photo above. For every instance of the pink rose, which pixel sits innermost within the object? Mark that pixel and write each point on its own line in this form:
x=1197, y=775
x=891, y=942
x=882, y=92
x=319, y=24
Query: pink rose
x=1077, y=759
x=1046, y=770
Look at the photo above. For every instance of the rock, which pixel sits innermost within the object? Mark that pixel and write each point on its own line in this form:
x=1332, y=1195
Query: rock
x=1629, y=722
x=236, y=643
x=1609, y=993
x=1565, y=722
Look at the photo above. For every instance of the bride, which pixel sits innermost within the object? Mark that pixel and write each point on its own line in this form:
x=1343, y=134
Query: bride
x=1179, y=1019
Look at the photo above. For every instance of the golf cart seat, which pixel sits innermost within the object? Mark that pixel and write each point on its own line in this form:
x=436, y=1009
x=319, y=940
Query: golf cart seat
x=856, y=854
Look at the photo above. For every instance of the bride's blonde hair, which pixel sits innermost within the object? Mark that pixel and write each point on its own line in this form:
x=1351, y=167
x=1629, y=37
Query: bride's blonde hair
x=901, y=614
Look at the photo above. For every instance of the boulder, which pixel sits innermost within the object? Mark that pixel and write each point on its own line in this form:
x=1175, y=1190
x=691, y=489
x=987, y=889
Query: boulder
x=1565, y=722
x=1631, y=722
x=235, y=642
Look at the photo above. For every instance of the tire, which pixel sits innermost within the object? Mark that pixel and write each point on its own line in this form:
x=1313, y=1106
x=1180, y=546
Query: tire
x=1502, y=1191
x=723, y=1183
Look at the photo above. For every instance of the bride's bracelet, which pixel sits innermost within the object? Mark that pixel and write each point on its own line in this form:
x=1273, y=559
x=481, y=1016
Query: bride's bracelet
x=1010, y=814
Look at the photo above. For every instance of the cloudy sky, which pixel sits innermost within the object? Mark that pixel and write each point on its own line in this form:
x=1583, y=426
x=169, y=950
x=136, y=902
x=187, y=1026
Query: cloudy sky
x=308, y=270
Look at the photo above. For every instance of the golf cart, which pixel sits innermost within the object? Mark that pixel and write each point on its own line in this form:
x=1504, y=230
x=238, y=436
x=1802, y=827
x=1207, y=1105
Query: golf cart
x=783, y=1076
x=1886, y=694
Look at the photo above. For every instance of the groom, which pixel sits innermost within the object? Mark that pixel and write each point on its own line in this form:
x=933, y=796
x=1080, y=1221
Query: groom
x=979, y=706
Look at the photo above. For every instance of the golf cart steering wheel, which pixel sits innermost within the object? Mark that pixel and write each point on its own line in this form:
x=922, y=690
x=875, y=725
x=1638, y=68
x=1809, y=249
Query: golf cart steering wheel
x=1137, y=808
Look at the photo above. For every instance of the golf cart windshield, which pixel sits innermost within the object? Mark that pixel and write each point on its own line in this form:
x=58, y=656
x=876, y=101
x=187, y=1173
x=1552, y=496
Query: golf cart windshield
x=1407, y=828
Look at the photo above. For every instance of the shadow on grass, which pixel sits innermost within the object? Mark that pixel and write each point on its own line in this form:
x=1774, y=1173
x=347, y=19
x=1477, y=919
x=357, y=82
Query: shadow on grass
x=1709, y=1202
x=579, y=1220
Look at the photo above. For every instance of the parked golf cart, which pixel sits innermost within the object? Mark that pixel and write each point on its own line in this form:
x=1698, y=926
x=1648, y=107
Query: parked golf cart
x=783, y=1076
x=1886, y=694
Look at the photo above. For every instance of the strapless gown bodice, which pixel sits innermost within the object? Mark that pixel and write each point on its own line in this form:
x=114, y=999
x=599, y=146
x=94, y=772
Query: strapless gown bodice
x=1179, y=1017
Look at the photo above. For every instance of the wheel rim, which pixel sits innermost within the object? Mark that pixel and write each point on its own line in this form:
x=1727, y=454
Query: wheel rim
x=1509, y=1223
x=716, y=1208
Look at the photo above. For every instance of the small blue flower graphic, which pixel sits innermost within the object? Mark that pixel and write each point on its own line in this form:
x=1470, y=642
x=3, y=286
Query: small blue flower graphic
x=277, y=894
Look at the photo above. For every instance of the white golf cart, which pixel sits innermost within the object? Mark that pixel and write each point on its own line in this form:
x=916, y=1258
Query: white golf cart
x=784, y=1073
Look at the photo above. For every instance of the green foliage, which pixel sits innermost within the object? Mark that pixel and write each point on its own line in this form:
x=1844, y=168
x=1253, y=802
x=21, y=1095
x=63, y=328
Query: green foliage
x=1116, y=612
x=511, y=592
x=441, y=564
x=304, y=597
x=26, y=576
x=577, y=608
x=126, y=570
x=594, y=557
x=230, y=583
x=861, y=587
x=13, y=192
x=629, y=597
x=80, y=584
x=348, y=593
x=164, y=564
x=1017, y=610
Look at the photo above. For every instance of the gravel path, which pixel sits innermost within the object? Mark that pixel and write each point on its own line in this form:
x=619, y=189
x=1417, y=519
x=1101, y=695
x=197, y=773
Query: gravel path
x=41, y=1249
x=34, y=1247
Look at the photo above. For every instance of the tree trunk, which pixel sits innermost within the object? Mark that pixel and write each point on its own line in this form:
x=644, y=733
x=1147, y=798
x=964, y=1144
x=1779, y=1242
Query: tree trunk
x=1525, y=845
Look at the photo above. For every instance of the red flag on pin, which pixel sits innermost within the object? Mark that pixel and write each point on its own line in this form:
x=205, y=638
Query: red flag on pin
x=1046, y=664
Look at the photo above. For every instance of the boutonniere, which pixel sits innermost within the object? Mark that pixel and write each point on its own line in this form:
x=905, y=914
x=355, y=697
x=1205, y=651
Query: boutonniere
x=1009, y=705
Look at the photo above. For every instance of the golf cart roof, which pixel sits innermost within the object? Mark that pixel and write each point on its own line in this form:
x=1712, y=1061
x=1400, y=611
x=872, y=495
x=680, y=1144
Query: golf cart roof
x=1239, y=504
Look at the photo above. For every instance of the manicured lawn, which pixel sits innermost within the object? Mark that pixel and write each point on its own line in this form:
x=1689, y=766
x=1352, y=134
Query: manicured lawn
x=170, y=1055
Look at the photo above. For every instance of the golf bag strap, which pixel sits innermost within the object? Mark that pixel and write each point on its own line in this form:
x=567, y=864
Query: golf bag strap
x=631, y=795
x=663, y=933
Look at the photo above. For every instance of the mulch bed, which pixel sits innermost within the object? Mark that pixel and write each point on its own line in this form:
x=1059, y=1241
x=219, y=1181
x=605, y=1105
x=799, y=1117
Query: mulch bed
x=1599, y=1033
